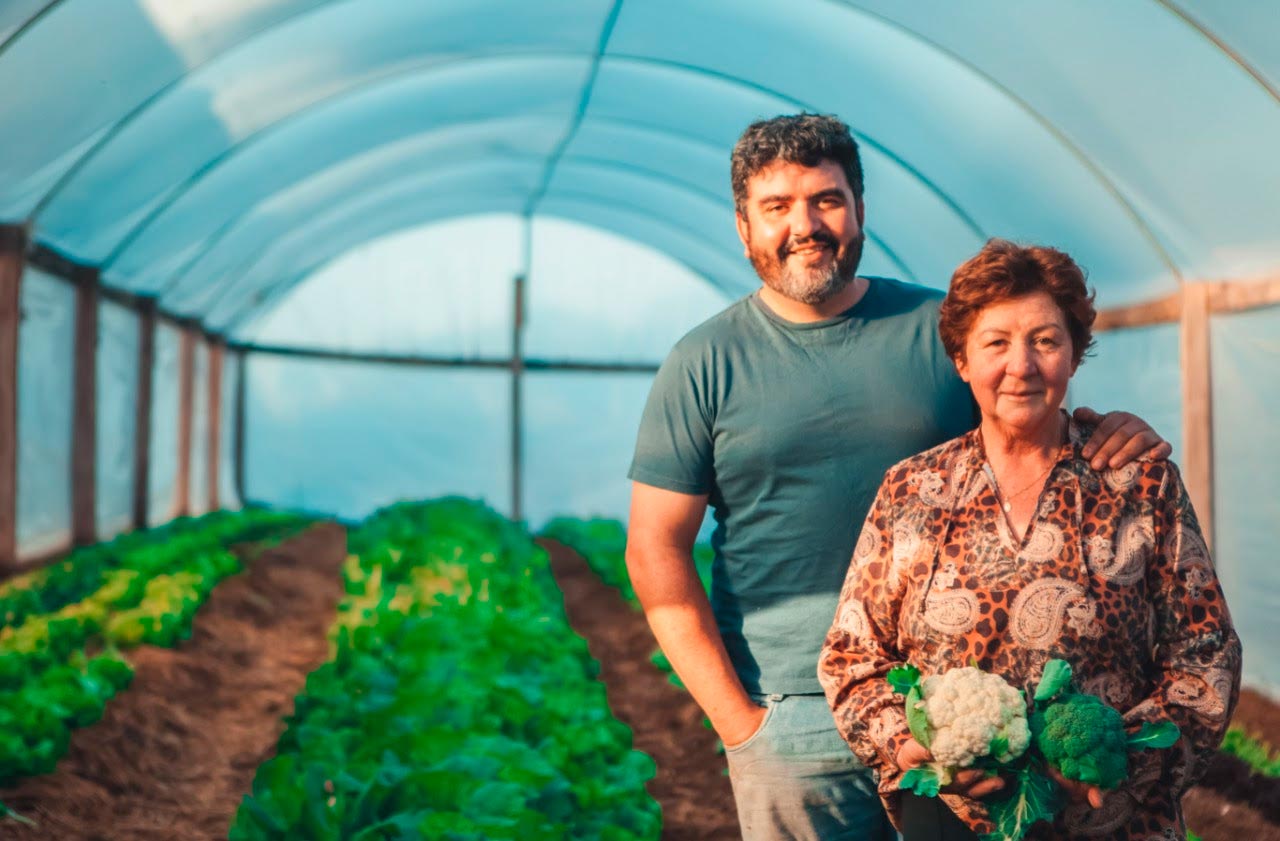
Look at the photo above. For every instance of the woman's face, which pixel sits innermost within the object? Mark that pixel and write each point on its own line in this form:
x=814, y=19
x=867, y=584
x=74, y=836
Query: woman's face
x=1018, y=359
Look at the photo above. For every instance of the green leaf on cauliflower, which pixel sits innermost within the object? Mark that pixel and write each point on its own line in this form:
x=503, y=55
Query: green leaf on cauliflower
x=917, y=719
x=1033, y=797
x=923, y=781
x=903, y=678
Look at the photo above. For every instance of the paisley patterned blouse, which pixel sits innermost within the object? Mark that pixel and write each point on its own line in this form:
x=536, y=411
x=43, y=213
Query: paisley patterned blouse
x=1112, y=575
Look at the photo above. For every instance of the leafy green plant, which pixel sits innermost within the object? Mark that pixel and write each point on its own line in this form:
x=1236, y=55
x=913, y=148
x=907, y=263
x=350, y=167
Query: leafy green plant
x=458, y=702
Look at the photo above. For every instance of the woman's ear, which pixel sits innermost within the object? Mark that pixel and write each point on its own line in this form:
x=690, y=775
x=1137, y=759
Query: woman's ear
x=962, y=367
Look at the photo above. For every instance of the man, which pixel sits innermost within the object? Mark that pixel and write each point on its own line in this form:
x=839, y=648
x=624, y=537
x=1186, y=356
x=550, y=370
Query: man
x=783, y=412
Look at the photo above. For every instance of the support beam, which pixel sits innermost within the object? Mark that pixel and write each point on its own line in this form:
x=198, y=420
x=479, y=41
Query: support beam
x=214, y=449
x=517, y=401
x=13, y=242
x=414, y=360
x=1224, y=296
x=186, y=395
x=1197, y=404
x=84, y=401
x=142, y=414
x=242, y=378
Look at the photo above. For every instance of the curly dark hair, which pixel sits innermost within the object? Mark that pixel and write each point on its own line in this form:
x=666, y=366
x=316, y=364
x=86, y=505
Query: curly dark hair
x=805, y=139
x=1004, y=270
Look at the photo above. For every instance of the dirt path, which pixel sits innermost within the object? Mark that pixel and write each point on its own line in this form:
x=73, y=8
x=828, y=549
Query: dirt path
x=176, y=752
x=691, y=785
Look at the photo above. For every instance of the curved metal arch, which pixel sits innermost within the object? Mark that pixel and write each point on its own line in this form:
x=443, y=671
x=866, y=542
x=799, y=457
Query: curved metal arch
x=280, y=286
x=354, y=92
x=28, y=24
x=628, y=126
x=1227, y=50
x=1103, y=180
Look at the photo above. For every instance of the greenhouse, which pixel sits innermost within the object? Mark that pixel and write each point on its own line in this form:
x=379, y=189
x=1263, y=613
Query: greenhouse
x=270, y=267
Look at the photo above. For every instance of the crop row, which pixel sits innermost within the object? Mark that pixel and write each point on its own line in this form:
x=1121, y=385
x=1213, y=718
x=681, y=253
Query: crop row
x=65, y=625
x=458, y=702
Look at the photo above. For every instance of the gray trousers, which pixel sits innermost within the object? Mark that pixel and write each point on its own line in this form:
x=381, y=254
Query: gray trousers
x=795, y=778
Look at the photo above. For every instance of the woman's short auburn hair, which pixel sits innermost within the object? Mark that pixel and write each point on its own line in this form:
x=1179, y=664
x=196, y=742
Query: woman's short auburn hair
x=1004, y=270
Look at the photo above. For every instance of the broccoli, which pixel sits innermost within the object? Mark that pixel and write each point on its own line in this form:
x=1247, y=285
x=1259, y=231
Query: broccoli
x=1084, y=739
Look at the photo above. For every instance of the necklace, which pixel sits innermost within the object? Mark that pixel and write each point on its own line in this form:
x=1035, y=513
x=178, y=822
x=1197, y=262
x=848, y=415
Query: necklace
x=1007, y=502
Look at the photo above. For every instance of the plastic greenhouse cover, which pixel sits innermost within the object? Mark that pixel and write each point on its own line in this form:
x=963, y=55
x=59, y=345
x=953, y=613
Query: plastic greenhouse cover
x=1048, y=127
x=117, y=396
x=162, y=477
x=1246, y=402
x=1136, y=370
x=579, y=435
x=446, y=290
x=227, y=496
x=347, y=438
x=46, y=336
x=198, y=488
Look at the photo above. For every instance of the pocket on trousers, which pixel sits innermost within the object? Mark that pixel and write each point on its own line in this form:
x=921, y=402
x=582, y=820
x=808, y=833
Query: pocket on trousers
x=769, y=708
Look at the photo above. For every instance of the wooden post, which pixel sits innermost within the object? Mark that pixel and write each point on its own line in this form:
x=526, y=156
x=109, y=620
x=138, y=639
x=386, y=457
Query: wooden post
x=215, y=422
x=517, y=401
x=13, y=243
x=142, y=415
x=84, y=424
x=242, y=377
x=1197, y=403
x=186, y=393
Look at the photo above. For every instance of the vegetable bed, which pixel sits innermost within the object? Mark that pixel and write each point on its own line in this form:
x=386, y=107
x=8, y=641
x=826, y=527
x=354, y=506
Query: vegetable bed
x=175, y=751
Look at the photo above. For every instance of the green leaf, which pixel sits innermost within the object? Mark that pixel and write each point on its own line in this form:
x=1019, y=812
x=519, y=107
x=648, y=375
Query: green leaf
x=1055, y=678
x=917, y=720
x=1034, y=797
x=923, y=781
x=1154, y=735
x=903, y=678
x=999, y=746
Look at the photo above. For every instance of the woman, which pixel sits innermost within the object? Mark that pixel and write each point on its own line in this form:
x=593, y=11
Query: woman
x=1004, y=548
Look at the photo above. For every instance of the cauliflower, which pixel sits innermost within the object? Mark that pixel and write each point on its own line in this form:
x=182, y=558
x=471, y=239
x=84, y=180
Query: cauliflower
x=961, y=716
x=971, y=714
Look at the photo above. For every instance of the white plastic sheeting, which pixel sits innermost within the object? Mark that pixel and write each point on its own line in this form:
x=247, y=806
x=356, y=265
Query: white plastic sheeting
x=347, y=438
x=162, y=480
x=445, y=290
x=242, y=144
x=198, y=493
x=579, y=435
x=117, y=407
x=1139, y=371
x=46, y=337
x=593, y=295
x=1246, y=404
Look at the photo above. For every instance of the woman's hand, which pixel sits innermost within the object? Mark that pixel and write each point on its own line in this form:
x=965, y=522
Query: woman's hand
x=1077, y=791
x=969, y=782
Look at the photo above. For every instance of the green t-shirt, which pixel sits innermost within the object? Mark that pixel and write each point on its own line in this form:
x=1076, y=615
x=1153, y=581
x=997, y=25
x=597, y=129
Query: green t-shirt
x=789, y=429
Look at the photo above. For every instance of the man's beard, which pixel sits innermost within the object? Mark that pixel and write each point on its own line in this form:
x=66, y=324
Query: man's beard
x=814, y=285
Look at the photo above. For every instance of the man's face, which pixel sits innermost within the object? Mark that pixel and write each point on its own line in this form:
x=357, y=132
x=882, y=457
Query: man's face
x=802, y=230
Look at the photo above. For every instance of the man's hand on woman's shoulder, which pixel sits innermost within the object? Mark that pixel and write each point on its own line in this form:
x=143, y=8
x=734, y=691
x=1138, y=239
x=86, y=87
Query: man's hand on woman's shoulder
x=1120, y=438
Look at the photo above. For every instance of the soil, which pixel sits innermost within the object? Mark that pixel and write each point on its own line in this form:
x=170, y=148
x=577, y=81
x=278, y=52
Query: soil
x=691, y=784
x=1230, y=805
x=176, y=751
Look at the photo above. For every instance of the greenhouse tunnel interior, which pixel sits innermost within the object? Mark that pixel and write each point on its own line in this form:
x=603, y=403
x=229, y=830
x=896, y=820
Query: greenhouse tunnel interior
x=388, y=249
